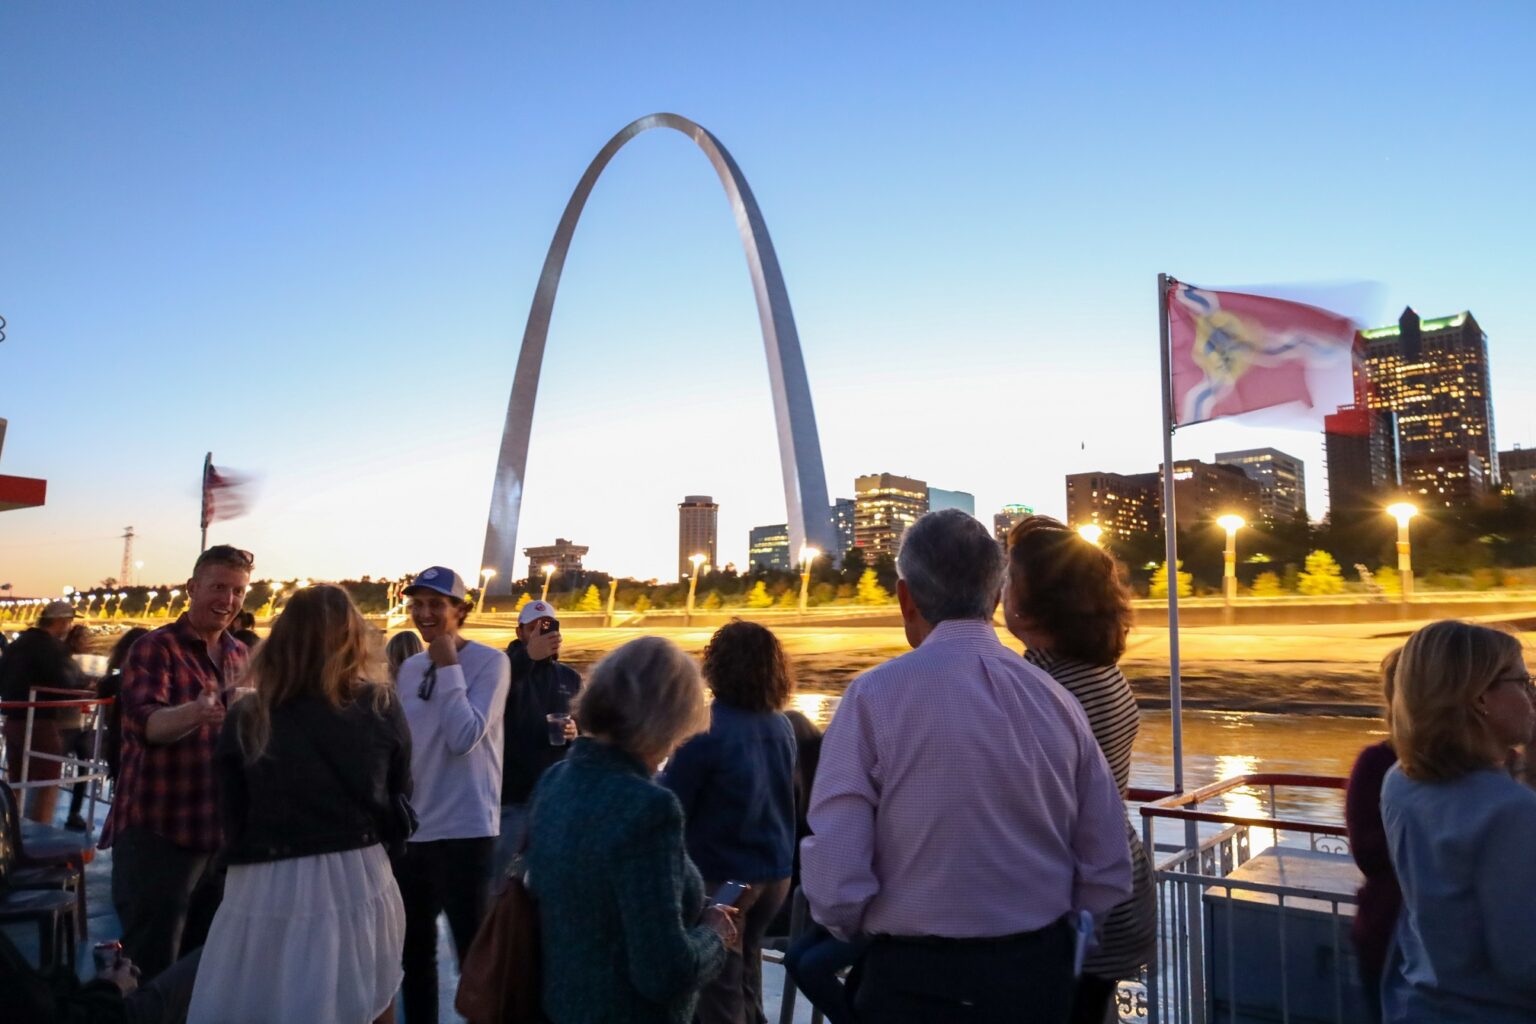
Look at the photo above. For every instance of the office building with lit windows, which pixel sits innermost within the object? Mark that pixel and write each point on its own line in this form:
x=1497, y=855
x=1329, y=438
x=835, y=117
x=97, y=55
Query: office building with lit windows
x=1452, y=478
x=1123, y=506
x=844, y=512
x=768, y=547
x=1282, y=480
x=698, y=527
x=1517, y=470
x=1007, y=519
x=884, y=506
x=1434, y=375
x=1361, y=460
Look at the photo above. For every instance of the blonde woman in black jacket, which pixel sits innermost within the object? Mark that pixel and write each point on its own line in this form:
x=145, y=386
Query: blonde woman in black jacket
x=311, y=769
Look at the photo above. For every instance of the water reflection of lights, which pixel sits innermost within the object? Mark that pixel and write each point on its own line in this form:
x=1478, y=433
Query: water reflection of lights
x=1247, y=801
x=818, y=707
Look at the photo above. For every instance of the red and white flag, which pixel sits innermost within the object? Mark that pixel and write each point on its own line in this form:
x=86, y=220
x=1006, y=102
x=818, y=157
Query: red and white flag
x=1231, y=353
x=225, y=494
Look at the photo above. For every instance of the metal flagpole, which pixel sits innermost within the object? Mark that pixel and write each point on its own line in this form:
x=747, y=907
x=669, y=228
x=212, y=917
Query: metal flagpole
x=203, y=515
x=1170, y=529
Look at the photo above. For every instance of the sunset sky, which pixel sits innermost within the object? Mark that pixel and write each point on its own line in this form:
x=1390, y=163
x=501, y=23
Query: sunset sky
x=305, y=237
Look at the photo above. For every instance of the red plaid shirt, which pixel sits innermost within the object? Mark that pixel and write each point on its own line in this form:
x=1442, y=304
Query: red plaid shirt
x=170, y=789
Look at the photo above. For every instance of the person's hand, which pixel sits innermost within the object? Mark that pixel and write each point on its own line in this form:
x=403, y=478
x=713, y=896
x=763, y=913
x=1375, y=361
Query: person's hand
x=124, y=974
x=542, y=646
x=722, y=921
x=443, y=651
x=210, y=710
x=570, y=730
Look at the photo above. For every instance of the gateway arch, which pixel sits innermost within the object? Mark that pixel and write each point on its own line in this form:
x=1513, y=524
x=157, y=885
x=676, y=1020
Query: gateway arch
x=805, y=483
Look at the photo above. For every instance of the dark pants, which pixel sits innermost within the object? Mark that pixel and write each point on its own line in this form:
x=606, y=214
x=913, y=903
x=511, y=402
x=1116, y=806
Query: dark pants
x=1370, y=988
x=1092, y=999
x=165, y=897
x=77, y=743
x=735, y=996
x=814, y=962
x=446, y=875
x=165, y=1000
x=1021, y=979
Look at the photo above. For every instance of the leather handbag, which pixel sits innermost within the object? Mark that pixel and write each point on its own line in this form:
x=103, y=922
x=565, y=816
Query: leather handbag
x=501, y=977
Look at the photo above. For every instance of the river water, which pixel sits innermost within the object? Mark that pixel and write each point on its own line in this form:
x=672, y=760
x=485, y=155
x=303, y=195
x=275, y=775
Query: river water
x=1221, y=745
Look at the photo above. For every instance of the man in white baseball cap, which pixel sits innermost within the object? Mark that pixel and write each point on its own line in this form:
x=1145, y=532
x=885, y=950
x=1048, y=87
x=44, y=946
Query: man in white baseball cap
x=537, y=734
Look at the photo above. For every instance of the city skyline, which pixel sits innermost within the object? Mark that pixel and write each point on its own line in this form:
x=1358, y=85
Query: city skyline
x=306, y=241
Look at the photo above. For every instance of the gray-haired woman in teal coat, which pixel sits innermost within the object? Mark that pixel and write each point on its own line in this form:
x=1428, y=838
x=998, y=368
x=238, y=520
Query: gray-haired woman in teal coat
x=627, y=936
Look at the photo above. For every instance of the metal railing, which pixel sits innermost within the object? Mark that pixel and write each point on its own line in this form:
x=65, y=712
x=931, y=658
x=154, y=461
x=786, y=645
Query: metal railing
x=91, y=771
x=1248, y=932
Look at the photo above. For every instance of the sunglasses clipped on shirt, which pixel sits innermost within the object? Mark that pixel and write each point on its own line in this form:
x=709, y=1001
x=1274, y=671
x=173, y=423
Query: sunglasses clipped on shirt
x=428, y=683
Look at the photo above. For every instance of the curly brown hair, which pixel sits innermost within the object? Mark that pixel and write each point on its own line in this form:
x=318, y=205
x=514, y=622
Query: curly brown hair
x=1069, y=589
x=746, y=668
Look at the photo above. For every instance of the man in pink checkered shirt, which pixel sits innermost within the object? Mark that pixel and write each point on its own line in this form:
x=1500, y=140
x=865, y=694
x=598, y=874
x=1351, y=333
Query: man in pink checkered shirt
x=963, y=814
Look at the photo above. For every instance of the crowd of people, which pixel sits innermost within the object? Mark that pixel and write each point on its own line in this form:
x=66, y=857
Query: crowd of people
x=292, y=815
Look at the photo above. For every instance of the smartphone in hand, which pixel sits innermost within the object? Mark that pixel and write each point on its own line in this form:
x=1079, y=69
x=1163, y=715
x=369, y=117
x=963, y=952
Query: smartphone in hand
x=729, y=894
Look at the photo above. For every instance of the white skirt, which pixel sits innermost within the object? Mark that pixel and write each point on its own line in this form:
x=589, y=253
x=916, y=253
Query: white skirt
x=304, y=939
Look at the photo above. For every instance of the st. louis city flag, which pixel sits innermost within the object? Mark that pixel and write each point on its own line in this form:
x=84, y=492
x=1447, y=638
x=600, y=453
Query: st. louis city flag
x=1232, y=353
x=225, y=494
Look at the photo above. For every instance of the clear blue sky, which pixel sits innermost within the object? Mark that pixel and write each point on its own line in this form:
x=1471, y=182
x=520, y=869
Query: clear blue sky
x=305, y=236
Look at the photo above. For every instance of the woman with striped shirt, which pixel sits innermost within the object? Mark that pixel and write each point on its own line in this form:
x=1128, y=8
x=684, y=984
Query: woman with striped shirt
x=1066, y=602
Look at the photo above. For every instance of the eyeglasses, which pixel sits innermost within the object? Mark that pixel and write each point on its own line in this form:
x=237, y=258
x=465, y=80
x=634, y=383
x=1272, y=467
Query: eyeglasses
x=1527, y=681
x=428, y=684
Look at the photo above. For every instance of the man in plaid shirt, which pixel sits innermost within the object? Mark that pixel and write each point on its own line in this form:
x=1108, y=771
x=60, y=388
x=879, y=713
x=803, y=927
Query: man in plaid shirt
x=164, y=826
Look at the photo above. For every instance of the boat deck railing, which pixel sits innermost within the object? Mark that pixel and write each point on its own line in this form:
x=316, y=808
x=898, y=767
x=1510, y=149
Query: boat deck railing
x=1253, y=910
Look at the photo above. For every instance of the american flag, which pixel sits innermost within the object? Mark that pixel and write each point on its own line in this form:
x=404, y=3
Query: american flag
x=225, y=494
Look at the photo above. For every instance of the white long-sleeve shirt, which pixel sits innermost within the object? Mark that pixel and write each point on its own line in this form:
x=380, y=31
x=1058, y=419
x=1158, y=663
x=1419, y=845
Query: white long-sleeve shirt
x=456, y=738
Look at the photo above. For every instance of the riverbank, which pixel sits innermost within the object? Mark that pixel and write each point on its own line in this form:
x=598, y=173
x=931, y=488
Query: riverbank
x=1317, y=670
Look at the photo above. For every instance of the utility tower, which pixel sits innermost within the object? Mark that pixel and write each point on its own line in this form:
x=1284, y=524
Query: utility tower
x=127, y=574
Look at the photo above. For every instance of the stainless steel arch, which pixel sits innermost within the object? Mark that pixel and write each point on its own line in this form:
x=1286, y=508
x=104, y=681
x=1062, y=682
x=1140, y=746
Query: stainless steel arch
x=805, y=483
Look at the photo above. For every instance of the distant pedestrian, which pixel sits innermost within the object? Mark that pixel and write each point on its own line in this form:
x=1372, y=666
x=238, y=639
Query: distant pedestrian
x=541, y=687
x=311, y=767
x=454, y=694
x=401, y=647
x=1066, y=603
x=736, y=784
x=164, y=826
x=626, y=932
x=38, y=657
x=1460, y=831
x=244, y=630
x=74, y=740
x=963, y=813
x=1379, y=899
x=108, y=689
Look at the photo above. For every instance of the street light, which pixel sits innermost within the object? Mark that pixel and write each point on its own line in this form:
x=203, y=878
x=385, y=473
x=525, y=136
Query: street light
x=1404, y=511
x=549, y=570
x=121, y=596
x=170, y=605
x=693, y=585
x=1231, y=524
x=1091, y=532
x=808, y=555
x=485, y=584
x=149, y=602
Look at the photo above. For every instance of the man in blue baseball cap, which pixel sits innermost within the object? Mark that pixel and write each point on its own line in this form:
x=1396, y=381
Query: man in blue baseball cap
x=454, y=694
x=541, y=692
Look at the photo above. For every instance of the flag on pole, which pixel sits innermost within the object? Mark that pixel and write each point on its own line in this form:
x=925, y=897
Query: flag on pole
x=225, y=494
x=1231, y=353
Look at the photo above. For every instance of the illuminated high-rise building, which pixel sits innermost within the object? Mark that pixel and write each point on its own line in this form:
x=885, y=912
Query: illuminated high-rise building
x=844, y=513
x=1434, y=375
x=884, y=506
x=1282, y=480
x=1122, y=505
x=1361, y=460
x=768, y=547
x=1007, y=519
x=698, y=527
x=1517, y=469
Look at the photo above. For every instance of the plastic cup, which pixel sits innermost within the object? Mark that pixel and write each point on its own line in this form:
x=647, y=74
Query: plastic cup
x=557, y=724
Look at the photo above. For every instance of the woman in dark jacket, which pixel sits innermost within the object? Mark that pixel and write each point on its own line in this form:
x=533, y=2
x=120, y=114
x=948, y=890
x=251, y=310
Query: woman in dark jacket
x=627, y=935
x=310, y=771
x=107, y=689
x=1380, y=898
x=736, y=783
